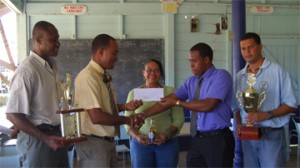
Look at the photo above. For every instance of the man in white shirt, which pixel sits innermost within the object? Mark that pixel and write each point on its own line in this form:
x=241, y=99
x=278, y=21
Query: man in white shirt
x=34, y=100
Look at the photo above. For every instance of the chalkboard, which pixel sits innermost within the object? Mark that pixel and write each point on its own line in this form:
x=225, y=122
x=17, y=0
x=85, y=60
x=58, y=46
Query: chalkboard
x=74, y=55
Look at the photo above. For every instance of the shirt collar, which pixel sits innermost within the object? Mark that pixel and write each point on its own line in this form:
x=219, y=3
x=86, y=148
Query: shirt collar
x=97, y=67
x=208, y=72
x=40, y=59
x=265, y=64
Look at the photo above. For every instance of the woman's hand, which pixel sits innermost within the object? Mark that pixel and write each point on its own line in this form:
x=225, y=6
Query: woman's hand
x=142, y=139
x=160, y=138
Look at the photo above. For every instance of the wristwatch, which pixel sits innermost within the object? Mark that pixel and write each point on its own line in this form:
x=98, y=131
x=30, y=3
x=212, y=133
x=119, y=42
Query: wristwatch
x=178, y=103
x=270, y=115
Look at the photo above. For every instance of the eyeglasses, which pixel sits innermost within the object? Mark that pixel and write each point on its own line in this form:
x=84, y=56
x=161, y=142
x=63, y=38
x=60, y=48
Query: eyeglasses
x=152, y=70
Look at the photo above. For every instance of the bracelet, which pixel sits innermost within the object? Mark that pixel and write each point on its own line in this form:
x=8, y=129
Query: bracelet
x=178, y=103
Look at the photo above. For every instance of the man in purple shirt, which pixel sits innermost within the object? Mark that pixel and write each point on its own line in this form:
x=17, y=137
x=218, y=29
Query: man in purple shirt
x=207, y=94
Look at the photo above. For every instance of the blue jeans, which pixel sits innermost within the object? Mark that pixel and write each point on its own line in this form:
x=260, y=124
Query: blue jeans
x=164, y=155
x=269, y=151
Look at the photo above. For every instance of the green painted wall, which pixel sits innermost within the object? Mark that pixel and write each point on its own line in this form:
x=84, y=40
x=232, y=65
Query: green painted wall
x=144, y=19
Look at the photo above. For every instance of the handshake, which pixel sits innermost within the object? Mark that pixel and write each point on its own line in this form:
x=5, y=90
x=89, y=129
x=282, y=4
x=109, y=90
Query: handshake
x=137, y=120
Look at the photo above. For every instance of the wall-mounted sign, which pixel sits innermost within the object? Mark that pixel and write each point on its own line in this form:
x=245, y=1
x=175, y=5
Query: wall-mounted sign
x=176, y=1
x=170, y=7
x=73, y=9
x=262, y=9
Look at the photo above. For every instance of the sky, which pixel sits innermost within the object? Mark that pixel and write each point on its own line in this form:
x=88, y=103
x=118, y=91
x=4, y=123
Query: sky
x=10, y=29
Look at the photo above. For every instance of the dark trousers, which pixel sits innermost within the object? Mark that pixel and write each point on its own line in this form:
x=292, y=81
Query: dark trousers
x=211, y=150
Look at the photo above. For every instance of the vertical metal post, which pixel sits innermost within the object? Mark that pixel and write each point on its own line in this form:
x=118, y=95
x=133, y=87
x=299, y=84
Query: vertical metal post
x=238, y=30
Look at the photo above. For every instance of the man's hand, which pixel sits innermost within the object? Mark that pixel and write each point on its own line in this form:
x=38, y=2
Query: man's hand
x=54, y=142
x=167, y=102
x=238, y=130
x=137, y=120
x=133, y=105
x=15, y=132
x=257, y=117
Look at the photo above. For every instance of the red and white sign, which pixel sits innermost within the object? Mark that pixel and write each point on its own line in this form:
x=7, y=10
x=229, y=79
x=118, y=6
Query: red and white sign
x=262, y=9
x=73, y=9
x=168, y=1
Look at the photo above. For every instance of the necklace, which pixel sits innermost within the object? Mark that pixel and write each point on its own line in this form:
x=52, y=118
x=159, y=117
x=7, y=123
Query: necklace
x=253, y=71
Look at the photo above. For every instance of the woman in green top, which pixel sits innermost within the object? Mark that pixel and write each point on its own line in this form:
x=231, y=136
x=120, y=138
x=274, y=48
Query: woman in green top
x=164, y=150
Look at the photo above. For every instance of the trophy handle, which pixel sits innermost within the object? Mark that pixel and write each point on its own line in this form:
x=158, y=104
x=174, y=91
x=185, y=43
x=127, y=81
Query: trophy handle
x=239, y=97
x=262, y=97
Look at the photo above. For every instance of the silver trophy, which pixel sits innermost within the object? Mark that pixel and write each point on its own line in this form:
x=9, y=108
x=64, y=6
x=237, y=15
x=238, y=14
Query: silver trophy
x=68, y=92
x=69, y=117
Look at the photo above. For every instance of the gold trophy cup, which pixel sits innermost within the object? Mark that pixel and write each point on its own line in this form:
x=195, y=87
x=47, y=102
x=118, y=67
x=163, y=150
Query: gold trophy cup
x=69, y=117
x=250, y=100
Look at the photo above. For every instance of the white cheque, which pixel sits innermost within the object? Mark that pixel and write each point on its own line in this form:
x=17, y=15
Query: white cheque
x=148, y=94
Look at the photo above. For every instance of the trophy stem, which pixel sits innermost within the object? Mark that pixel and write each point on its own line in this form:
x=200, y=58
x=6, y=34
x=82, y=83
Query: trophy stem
x=249, y=124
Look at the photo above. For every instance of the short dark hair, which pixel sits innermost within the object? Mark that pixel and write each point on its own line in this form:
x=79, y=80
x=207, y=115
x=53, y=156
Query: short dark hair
x=101, y=41
x=203, y=49
x=41, y=26
x=159, y=66
x=251, y=35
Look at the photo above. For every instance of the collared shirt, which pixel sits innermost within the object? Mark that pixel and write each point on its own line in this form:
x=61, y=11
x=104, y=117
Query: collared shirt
x=163, y=121
x=217, y=84
x=91, y=92
x=279, y=90
x=35, y=90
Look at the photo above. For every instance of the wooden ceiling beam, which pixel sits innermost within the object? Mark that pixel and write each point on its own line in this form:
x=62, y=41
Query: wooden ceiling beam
x=3, y=9
x=11, y=64
x=7, y=65
x=4, y=79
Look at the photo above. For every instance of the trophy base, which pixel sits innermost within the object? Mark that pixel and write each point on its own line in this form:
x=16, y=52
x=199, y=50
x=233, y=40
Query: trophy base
x=73, y=140
x=249, y=133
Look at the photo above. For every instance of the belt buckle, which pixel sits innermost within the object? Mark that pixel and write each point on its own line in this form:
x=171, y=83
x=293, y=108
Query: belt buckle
x=201, y=134
x=109, y=139
x=215, y=132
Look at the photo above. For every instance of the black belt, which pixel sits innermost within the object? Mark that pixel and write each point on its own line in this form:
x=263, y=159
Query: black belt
x=107, y=138
x=48, y=127
x=269, y=129
x=212, y=133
